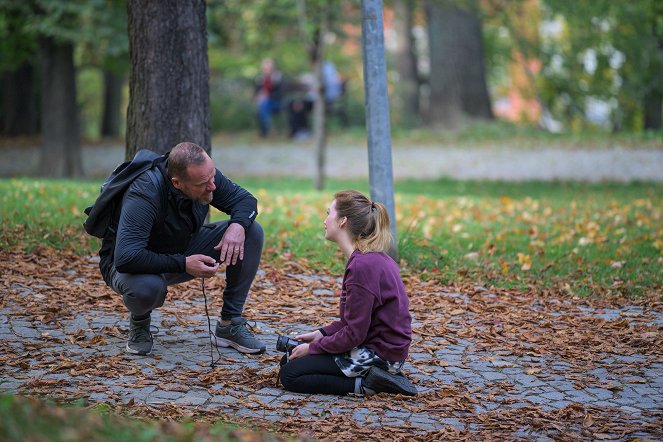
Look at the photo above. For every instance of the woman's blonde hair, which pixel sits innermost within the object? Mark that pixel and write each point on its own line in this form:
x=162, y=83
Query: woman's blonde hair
x=368, y=221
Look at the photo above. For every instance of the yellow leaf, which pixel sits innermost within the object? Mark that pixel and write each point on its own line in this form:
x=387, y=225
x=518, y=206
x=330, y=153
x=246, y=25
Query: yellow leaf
x=504, y=267
x=525, y=261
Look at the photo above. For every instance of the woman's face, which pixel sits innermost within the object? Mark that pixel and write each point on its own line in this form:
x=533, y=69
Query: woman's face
x=332, y=223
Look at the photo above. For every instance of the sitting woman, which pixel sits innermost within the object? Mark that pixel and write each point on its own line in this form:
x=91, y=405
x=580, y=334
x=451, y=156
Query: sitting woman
x=364, y=351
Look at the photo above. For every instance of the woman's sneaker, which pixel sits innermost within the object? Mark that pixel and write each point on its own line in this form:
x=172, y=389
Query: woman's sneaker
x=381, y=381
x=238, y=336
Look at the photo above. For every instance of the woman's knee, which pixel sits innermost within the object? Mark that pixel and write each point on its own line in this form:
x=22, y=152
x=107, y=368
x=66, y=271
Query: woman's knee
x=288, y=377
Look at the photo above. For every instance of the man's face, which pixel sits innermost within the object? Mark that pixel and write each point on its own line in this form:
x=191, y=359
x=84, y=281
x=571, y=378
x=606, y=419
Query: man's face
x=198, y=185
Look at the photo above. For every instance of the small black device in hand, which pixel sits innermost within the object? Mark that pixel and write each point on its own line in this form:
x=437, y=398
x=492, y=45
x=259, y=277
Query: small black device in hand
x=286, y=344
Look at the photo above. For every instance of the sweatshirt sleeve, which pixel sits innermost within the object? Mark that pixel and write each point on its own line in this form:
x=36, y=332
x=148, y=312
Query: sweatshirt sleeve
x=140, y=211
x=358, y=310
x=234, y=200
x=332, y=328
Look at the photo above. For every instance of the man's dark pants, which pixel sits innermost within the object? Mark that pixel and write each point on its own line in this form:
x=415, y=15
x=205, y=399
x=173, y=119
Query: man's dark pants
x=142, y=293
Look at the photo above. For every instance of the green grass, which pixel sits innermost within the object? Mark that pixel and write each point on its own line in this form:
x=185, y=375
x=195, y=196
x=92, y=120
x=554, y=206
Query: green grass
x=586, y=239
x=23, y=419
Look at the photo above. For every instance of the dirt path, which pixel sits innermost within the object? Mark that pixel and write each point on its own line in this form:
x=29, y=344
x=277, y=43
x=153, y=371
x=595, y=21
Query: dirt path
x=422, y=162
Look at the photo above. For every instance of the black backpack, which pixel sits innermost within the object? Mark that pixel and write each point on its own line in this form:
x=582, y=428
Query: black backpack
x=105, y=211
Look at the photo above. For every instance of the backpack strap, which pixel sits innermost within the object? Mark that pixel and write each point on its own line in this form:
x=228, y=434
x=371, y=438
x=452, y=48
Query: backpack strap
x=157, y=179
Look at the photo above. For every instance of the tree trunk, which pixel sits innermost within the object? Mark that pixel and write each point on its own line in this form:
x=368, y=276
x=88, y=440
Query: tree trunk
x=168, y=84
x=406, y=62
x=457, y=71
x=110, y=120
x=61, y=150
x=19, y=94
x=653, y=106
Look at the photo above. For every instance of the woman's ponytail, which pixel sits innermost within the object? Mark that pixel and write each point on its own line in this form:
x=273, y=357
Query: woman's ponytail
x=368, y=221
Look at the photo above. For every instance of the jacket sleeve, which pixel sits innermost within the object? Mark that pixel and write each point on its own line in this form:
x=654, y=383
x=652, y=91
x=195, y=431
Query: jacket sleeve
x=141, y=206
x=234, y=201
x=358, y=310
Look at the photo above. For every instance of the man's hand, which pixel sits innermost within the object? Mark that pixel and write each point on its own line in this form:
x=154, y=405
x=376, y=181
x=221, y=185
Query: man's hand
x=201, y=266
x=232, y=244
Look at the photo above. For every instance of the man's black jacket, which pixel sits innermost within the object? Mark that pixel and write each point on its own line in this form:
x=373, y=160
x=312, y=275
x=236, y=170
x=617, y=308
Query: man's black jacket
x=157, y=222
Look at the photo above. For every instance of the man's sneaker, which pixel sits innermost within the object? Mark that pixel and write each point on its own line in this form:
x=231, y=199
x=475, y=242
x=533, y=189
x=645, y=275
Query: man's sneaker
x=380, y=381
x=140, y=338
x=238, y=336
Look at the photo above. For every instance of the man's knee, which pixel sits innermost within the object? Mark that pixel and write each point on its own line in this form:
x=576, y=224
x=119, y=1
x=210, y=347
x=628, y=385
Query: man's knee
x=143, y=293
x=254, y=237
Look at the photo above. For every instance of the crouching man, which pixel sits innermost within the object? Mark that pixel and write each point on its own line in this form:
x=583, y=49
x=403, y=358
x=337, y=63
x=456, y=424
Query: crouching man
x=161, y=238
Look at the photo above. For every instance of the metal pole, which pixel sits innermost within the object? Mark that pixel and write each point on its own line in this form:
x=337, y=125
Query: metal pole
x=378, y=128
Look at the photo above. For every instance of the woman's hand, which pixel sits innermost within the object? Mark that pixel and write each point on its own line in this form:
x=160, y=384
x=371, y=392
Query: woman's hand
x=309, y=337
x=299, y=351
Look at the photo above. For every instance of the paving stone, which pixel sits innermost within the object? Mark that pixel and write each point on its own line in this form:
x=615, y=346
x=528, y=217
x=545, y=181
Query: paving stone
x=426, y=422
x=363, y=416
x=600, y=393
x=560, y=404
x=461, y=372
x=526, y=380
x=537, y=399
x=169, y=395
x=221, y=399
x=561, y=385
x=194, y=398
x=631, y=410
x=493, y=375
x=624, y=401
x=649, y=403
x=452, y=422
x=581, y=397
x=554, y=396
x=26, y=332
x=97, y=397
x=645, y=389
x=397, y=415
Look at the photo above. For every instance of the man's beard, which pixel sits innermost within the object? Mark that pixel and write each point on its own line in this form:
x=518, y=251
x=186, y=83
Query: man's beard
x=205, y=199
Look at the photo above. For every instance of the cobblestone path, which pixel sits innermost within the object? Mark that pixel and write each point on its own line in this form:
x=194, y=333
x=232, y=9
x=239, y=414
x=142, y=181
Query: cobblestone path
x=463, y=388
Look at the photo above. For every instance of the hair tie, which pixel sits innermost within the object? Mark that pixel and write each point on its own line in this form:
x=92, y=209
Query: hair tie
x=372, y=205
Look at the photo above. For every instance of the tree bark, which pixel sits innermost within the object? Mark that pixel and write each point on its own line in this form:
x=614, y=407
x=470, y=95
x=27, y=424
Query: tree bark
x=653, y=106
x=406, y=62
x=110, y=120
x=169, y=79
x=457, y=74
x=61, y=150
x=19, y=107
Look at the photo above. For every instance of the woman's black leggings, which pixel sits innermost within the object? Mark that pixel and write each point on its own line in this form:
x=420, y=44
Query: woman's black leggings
x=315, y=374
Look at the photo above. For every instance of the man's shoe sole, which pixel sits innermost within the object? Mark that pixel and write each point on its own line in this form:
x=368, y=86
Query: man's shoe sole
x=221, y=342
x=386, y=382
x=137, y=352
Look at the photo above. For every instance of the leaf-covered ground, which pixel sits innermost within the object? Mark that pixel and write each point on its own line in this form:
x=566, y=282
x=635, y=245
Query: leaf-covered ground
x=488, y=363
